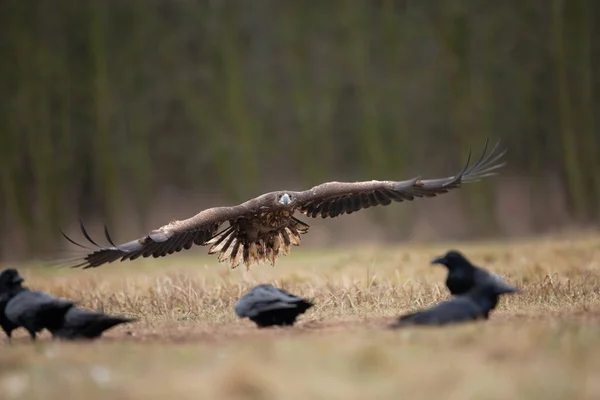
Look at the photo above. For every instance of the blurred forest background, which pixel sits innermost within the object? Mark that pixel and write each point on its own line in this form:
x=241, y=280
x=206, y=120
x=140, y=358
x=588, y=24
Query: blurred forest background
x=138, y=112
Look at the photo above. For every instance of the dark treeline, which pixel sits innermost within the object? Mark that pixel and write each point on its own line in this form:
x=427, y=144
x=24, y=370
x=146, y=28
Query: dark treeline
x=106, y=104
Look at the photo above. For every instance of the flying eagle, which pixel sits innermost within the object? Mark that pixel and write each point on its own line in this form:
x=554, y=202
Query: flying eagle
x=262, y=228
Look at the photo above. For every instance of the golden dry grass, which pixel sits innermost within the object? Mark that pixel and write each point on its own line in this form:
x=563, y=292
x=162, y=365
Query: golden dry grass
x=544, y=343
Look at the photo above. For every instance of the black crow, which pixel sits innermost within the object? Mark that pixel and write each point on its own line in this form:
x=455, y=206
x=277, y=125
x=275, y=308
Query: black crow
x=21, y=307
x=266, y=305
x=10, y=281
x=473, y=305
x=84, y=324
x=462, y=275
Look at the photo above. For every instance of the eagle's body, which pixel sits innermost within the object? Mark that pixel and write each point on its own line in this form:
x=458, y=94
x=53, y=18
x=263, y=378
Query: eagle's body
x=262, y=228
x=256, y=239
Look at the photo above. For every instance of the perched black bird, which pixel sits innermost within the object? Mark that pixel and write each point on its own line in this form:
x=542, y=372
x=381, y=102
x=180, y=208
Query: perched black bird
x=84, y=324
x=462, y=275
x=473, y=305
x=10, y=281
x=266, y=305
x=21, y=307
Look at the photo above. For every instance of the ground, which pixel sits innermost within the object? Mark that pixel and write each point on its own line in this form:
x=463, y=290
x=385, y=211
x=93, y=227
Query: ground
x=188, y=344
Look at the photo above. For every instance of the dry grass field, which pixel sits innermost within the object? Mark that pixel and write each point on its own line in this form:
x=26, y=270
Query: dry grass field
x=188, y=344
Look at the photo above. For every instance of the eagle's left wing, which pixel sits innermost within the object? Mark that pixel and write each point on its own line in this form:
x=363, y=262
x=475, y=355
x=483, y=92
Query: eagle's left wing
x=332, y=199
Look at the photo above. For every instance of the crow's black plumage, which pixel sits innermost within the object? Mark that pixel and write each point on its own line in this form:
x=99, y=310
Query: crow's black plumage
x=21, y=307
x=462, y=275
x=84, y=324
x=10, y=282
x=473, y=305
x=266, y=305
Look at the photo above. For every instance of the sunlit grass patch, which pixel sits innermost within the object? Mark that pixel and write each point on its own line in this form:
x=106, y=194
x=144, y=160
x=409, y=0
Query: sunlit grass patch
x=189, y=343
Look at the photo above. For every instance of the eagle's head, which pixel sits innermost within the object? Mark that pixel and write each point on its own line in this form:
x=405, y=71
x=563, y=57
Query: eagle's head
x=284, y=199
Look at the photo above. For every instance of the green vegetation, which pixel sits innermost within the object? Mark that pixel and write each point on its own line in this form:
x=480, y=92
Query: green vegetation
x=106, y=105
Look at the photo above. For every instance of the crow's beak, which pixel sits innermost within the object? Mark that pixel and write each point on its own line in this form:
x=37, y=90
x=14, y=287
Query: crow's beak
x=439, y=260
x=18, y=279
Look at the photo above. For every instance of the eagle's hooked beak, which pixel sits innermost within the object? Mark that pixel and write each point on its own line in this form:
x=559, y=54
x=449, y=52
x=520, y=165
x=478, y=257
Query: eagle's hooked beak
x=285, y=199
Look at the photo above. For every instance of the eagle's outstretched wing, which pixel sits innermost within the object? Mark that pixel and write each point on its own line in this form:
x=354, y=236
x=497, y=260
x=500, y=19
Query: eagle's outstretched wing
x=336, y=198
x=255, y=226
x=160, y=242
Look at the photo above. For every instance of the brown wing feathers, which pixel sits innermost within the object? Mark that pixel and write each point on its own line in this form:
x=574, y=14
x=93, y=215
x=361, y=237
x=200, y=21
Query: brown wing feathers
x=346, y=198
x=158, y=243
x=347, y=204
x=327, y=200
